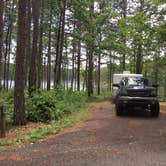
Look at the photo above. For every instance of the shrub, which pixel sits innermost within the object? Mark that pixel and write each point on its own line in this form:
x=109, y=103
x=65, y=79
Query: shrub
x=46, y=106
x=41, y=107
x=6, y=100
x=69, y=101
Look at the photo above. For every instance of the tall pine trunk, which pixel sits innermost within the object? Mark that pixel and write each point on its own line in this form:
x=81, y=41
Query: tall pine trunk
x=79, y=56
x=33, y=60
x=28, y=42
x=124, y=14
x=98, y=73
x=49, y=54
x=12, y=4
x=139, y=47
x=19, y=111
x=5, y=56
x=40, y=54
x=1, y=37
x=57, y=50
x=90, y=53
x=73, y=65
x=8, y=59
x=139, y=60
x=165, y=88
x=60, y=51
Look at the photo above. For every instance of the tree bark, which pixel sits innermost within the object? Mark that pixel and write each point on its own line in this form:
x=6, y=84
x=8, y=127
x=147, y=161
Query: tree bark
x=9, y=44
x=156, y=70
x=139, y=60
x=49, y=54
x=98, y=74
x=19, y=110
x=33, y=60
x=165, y=88
x=90, y=53
x=8, y=58
x=140, y=49
x=124, y=14
x=28, y=42
x=79, y=57
x=73, y=62
x=57, y=50
x=1, y=37
x=40, y=55
x=2, y=122
x=59, y=57
x=44, y=73
x=5, y=56
x=85, y=75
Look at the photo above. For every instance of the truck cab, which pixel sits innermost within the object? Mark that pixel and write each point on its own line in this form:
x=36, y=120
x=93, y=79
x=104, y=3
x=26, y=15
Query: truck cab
x=133, y=92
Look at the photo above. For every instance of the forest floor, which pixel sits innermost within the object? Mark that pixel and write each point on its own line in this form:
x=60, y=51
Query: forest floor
x=103, y=139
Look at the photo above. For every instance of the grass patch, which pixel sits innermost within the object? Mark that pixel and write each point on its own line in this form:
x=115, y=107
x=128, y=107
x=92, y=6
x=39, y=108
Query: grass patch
x=103, y=95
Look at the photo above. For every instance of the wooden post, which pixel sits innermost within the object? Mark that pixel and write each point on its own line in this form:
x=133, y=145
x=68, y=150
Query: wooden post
x=2, y=122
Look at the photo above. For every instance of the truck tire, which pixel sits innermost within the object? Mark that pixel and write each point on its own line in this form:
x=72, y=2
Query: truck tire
x=155, y=109
x=119, y=110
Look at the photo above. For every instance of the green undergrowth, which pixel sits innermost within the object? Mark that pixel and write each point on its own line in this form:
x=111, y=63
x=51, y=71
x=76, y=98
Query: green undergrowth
x=103, y=95
x=7, y=100
x=46, y=106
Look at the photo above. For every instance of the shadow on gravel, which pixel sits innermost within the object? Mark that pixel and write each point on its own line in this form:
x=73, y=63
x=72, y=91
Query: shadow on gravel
x=138, y=113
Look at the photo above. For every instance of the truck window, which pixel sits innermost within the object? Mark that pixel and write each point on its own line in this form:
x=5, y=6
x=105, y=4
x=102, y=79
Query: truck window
x=135, y=81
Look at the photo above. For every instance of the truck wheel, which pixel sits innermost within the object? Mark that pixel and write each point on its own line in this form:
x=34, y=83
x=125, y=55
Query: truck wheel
x=155, y=109
x=119, y=110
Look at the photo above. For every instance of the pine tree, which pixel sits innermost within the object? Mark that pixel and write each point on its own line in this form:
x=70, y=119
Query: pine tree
x=19, y=110
x=1, y=36
x=33, y=59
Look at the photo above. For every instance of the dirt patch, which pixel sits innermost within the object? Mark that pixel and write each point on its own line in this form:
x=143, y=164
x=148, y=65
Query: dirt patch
x=11, y=158
x=134, y=123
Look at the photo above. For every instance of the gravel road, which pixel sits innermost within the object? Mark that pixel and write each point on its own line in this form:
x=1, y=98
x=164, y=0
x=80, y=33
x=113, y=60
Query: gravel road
x=102, y=140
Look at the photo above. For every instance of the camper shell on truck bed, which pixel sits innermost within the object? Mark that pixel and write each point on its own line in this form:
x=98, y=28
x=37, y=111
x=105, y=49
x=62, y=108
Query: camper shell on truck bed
x=131, y=91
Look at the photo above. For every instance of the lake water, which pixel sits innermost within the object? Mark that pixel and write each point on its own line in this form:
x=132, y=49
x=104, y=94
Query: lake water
x=44, y=84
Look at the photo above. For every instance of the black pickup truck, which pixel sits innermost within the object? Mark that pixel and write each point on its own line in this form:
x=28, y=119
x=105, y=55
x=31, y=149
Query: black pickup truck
x=134, y=93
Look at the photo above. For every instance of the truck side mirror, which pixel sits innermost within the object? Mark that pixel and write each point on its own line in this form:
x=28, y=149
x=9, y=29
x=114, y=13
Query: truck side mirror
x=155, y=85
x=116, y=85
x=146, y=82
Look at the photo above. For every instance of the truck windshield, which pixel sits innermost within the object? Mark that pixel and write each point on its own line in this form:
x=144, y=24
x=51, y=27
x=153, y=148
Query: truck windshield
x=135, y=81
